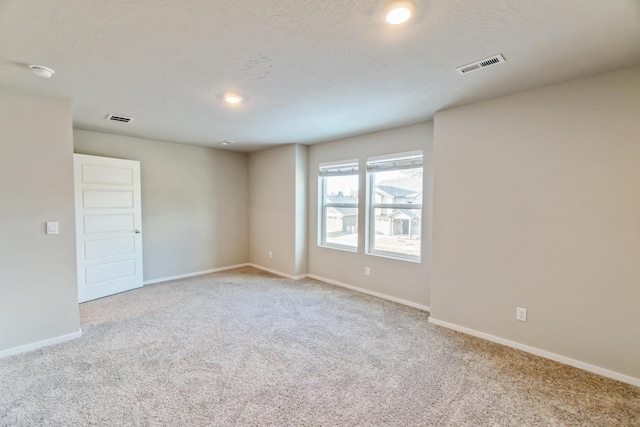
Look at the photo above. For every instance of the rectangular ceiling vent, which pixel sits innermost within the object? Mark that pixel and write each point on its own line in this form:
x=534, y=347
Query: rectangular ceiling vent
x=483, y=63
x=119, y=118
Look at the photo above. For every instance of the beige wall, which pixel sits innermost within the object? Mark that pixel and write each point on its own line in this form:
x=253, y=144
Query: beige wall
x=276, y=210
x=396, y=278
x=537, y=205
x=38, y=292
x=301, y=207
x=194, y=202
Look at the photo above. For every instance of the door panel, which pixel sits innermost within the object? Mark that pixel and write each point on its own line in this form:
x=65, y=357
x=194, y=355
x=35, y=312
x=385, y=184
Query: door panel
x=107, y=199
x=108, y=247
x=108, y=223
x=94, y=174
x=110, y=271
x=108, y=226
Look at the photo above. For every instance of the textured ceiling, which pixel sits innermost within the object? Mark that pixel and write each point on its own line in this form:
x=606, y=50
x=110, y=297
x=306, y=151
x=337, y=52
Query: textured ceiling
x=311, y=70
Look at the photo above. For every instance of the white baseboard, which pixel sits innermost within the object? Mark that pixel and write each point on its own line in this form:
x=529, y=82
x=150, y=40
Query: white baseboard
x=542, y=353
x=197, y=273
x=40, y=344
x=368, y=292
x=276, y=272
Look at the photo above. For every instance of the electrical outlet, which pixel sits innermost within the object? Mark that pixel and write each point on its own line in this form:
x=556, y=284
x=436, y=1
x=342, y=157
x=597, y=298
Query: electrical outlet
x=270, y=254
x=521, y=314
x=367, y=271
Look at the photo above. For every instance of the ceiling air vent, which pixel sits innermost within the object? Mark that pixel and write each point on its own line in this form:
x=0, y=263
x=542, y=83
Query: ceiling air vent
x=119, y=118
x=483, y=63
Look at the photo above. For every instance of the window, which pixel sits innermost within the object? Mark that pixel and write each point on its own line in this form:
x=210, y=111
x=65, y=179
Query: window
x=395, y=205
x=339, y=205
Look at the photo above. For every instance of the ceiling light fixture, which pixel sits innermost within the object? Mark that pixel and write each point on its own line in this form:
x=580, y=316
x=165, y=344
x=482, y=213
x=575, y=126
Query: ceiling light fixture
x=41, y=71
x=225, y=142
x=232, y=98
x=399, y=12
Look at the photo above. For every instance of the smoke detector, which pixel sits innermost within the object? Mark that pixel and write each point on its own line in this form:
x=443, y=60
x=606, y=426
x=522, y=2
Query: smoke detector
x=225, y=142
x=42, y=71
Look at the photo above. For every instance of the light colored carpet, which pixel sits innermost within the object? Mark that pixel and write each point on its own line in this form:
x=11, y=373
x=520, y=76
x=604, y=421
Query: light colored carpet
x=246, y=348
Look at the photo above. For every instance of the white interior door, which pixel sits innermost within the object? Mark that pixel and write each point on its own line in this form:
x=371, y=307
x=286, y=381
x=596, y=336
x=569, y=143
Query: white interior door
x=108, y=226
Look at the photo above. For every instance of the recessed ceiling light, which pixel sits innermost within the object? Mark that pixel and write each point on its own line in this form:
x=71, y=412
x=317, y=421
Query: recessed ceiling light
x=232, y=98
x=41, y=71
x=400, y=11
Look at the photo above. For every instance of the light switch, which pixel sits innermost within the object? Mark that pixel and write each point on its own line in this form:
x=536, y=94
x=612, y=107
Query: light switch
x=52, y=227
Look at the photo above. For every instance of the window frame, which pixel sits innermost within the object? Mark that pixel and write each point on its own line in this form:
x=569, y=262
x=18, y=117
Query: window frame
x=391, y=162
x=325, y=170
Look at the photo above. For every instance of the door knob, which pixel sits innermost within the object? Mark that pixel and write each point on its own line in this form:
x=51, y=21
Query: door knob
x=137, y=231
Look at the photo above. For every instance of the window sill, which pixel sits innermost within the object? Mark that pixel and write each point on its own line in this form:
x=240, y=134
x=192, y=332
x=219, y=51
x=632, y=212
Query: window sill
x=390, y=255
x=338, y=247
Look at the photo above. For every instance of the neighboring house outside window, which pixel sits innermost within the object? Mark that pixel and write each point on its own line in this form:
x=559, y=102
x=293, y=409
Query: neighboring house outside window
x=338, y=219
x=395, y=205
